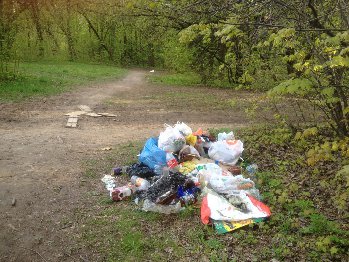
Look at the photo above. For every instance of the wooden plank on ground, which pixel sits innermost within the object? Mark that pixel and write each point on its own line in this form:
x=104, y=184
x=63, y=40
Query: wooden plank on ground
x=107, y=114
x=72, y=121
x=93, y=114
x=76, y=113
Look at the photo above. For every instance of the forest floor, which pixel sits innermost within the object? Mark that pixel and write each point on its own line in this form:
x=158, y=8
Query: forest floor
x=41, y=161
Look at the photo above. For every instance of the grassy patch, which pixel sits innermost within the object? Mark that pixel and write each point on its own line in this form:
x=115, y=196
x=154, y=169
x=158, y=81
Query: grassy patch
x=176, y=79
x=189, y=100
x=121, y=231
x=188, y=79
x=44, y=78
x=305, y=224
x=186, y=98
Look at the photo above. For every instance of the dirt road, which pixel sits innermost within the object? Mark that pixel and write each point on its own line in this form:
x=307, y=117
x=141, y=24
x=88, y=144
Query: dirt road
x=41, y=179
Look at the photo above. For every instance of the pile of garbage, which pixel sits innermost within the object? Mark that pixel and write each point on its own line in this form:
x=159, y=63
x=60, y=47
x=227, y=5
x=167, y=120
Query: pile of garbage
x=182, y=168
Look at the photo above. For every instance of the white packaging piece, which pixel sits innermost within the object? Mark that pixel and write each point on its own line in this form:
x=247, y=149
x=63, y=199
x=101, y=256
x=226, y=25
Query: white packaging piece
x=227, y=151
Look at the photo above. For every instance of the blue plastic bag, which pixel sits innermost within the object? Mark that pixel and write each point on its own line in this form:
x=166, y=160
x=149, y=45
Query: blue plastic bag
x=152, y=155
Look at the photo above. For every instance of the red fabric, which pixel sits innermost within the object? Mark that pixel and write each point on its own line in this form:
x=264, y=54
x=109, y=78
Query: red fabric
x=205, y=211
x=261, y=206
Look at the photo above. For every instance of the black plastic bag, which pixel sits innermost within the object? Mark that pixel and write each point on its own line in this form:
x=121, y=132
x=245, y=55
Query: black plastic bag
x=140, y=170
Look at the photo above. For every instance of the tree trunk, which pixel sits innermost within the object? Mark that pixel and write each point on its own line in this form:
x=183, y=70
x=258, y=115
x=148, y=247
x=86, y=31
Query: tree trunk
x=2, y=21
x=100, y=39
x=239, y=70
x=69, y=35
x=290, y=68
x=151, y=55
x=35, y=13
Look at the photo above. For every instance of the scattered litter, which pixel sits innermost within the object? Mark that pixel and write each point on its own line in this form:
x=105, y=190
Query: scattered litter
x=13, y=202
x=152, y=155
x=188, y=153
x=118, y=171
x=182, y=168
x=226, y=151
x=165, y=209
x=140, y=183
x=141, y=170
x=120, y=193
x=151, y=71
x=225, y=136
x=109, y=182
x=72, y=121
x=106, y=149
x=171, y=140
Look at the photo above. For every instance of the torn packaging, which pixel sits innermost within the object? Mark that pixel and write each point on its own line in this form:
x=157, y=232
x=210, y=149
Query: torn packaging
x=164, y=184
x=217, y=208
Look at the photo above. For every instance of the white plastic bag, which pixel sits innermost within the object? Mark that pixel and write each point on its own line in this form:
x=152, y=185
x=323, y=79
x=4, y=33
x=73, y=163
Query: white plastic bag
x=227, y=151
x=204, y=173
x=183, y=128
x=230, y=184
x=109, y=182
x=226, y=136
x=171, y=140
x=219, y=208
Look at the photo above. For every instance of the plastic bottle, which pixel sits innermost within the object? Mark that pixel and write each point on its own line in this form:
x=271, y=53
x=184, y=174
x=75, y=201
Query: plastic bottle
x=252, y=169
x=161, y=170
x=171, y=160
x=158, y=170
x=166, y=198
x=140, y=183
x=119, y=193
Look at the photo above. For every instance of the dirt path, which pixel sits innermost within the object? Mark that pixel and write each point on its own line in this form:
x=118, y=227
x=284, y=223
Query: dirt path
x=40, y=159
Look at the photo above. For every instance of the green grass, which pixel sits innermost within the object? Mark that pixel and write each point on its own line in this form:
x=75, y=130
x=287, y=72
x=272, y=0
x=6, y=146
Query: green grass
x=301, y=227
x=121, y=231
x=188, y=79
x=176, y=79
x=50, y=78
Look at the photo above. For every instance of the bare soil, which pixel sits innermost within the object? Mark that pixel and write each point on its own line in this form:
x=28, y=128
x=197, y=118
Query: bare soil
x=40, y=159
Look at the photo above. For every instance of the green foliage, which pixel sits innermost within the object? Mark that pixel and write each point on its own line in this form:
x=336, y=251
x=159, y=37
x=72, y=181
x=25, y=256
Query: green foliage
x=341, y=196
x=319, y=72
x=176, y=56
x=293, y=87
x=320, y=225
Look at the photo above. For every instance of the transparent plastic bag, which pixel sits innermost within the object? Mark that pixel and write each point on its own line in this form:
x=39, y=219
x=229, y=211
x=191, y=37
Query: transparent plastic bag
x=183, y=128
x=225, y=136
x=171, y=140
x=165, y=209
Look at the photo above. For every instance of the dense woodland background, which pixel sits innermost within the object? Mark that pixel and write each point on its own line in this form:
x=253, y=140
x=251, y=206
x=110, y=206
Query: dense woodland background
x=296, y=53
x=287, y=47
